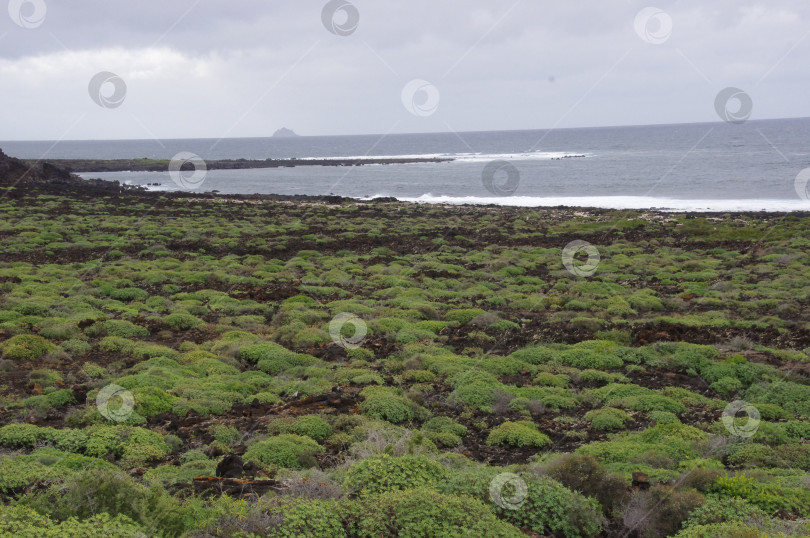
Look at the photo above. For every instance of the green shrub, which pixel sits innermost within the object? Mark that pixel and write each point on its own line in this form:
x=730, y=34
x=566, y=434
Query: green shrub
x=286, y=450
x=313, y=426
x=661, y=510
x=636, y=398
x=382, y=473
x=128, y=294
x=444, y=425
x=594, y=354
x=92, y=370
x=659, y=447
x=719, y=509
x=772, y=411
x=26, y=347
x=546, y=507
x=587, y=476
x=421, y=512
x=70, y=440
x=151, y=401
x=534, y=355
x=444, y=431
x=476, y=388
x=727, y=386
x=548, y=379
x=598, y=376
x=45, y=377
x=75, y=346
x=120, y=441
x=182, y=322
x=116, y=344
x=418, y=376
x=59, y=332
x=735, y=529
x=23, y=471
x=384, y=404
x=60, y=397
x=607, y=418
x=663, y=417
x=519, y=434
x=264, y=397
x=23, y=435
x=291, y=516
x=224, y=433
x=463, y=315
x=769, y=497
x=110, y=491
x=269, y=351
x=793, y=397
x=116, y=327
x=368, y=379
x=22, y=521
x=183, y=474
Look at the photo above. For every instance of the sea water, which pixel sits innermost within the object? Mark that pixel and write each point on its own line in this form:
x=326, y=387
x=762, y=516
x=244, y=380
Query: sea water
x=691, y=167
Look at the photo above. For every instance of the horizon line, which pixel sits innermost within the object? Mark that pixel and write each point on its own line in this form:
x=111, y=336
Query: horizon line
x=404, y=134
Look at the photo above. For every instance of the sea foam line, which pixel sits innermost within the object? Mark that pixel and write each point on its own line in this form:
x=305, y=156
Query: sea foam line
x=616, y=202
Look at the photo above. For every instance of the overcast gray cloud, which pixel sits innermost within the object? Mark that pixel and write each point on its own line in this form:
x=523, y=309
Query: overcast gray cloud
x=215, y=69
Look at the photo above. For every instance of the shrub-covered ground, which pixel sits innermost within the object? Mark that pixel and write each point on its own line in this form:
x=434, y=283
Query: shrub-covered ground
x=180, y=365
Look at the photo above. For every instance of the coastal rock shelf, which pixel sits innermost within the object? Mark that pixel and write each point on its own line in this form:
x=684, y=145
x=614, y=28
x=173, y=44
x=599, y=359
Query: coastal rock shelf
x=79, y=166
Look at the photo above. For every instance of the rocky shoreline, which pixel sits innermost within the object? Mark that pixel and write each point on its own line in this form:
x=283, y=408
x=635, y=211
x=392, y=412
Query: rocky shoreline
x=151, y=165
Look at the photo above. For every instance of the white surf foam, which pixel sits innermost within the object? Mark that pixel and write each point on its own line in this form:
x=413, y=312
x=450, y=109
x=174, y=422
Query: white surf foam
x=618, y=202
x=464, y=157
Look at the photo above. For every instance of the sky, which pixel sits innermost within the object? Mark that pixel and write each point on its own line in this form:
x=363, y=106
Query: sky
x=121, y=69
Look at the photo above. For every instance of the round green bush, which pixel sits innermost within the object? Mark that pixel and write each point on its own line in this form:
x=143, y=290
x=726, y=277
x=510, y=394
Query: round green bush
x=312, y=426
x=116, y=327
x=422, y=512
x=663, y=417
x=545, y=506
x=182, y=322
x=128, y=294
x=382, y=473
x=23, y=521
x=26, y=347
x=286, y=450
x=383, y=404
x=150, y=401
x=23, y=435
x=607, y=418
x=444, y=425
x=518, y=434
x=268, y=351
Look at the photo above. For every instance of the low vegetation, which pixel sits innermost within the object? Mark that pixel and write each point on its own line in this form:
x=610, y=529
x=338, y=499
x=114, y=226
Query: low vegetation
x=197, y=366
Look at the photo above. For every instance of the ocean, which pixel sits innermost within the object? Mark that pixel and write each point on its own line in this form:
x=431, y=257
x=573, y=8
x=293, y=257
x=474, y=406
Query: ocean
x=757, y=165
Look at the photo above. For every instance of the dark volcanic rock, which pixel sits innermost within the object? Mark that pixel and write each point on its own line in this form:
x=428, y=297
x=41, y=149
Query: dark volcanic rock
x=15, y=172
x=230, y=467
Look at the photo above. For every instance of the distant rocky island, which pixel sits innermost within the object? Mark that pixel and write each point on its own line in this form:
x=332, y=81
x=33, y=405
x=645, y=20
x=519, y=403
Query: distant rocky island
x=284, y=133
